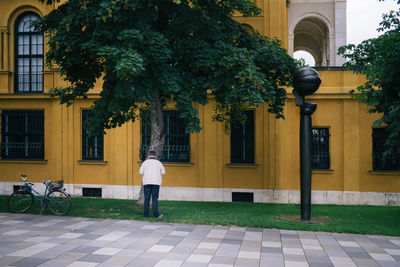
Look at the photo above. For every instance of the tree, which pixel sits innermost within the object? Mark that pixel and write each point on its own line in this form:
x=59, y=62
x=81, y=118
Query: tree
x=378, y=59
x=150, y=51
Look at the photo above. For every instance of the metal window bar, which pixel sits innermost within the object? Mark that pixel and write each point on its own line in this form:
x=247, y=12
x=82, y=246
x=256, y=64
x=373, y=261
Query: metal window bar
x=28, y=56
x=243, y=140
x=92, y=145
x=177, y=141
x=390, y=162
x=320, y=151
x=22, y=134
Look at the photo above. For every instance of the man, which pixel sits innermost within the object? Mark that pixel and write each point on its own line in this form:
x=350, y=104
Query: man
x=151, y=169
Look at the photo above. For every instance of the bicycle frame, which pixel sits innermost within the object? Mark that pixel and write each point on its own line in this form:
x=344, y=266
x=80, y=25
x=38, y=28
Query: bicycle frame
x=35, y=193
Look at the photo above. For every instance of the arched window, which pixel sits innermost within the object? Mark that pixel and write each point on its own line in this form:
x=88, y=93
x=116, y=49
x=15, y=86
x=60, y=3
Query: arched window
x=28, y=55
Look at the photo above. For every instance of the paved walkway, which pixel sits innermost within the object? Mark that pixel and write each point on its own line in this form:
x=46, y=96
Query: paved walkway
x=33, y=240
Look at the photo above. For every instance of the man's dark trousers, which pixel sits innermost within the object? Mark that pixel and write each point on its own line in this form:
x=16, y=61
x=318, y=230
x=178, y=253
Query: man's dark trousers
x=151, y=190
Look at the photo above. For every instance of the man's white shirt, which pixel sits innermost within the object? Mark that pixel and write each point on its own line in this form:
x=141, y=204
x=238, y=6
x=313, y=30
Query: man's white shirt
x=152, y=169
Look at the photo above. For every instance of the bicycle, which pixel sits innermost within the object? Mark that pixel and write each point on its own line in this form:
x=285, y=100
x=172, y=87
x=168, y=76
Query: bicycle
x=54, y=198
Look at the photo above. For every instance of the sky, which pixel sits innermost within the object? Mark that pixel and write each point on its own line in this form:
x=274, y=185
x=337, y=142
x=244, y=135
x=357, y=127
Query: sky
x=363, y=18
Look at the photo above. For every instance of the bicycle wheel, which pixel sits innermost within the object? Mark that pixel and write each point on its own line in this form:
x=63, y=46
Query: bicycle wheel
x=20, y=201
x=58, y=202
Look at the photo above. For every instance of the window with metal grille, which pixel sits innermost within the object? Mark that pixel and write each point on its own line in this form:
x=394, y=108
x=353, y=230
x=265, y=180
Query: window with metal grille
x=389, y=162
x=177, y=141
x=22, y=134
x=28, y=55
x=92, y=145
x=243, y=140
x=321, y=159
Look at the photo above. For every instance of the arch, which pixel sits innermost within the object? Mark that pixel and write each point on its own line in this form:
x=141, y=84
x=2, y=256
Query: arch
x=312, y=32
x=248, y=28
x=311, y=15
x=15, y=13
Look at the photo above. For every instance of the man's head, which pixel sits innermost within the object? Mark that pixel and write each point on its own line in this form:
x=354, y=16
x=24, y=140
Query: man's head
x=152, y=154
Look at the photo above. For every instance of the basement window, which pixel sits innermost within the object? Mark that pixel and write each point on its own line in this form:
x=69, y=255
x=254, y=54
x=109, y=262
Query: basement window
x=242, y=197
x=17, y=187
x=91, y=192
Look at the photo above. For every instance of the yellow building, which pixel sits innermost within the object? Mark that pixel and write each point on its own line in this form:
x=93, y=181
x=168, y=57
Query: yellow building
x=259, y=163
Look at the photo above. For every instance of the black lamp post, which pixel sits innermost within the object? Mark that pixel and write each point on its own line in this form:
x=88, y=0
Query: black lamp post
x=306, y=81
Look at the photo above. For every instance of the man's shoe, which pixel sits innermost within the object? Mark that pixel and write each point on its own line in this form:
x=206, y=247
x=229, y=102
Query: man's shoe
x=159, y=216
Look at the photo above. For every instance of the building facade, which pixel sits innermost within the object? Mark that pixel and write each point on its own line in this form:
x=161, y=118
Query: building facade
x=258, y=161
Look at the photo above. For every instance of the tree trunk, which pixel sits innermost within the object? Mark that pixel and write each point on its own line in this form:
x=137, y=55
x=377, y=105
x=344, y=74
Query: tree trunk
x=157, y=138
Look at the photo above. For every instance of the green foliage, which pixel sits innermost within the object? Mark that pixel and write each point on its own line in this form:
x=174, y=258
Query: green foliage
x=183, y=48
x=379, y=60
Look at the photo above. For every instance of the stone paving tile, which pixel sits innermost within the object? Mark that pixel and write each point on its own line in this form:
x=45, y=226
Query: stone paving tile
x=182, y=250
x=78, y=242
x=169, y=263
x=170, y=240
x=271, y=250
x=219, y=265
x=204, y=251
x=71, y=256
x=223, y=260
x=151, y=255
x=194, y=264
x=119, y=260
x=385, y=244
x=358, y=254
x=8, y=260
x=211, y=240
x=95, y=258
x=342, y=261
x=232, y=241
x=247, y=262
x=227, y=250
x=318, y=264
x=382, y=257
x=388, y=264
x=272, y=259
x=199, y=258
x=32, y=240
x=5, y=251
x=31, y=261
x=292, y=257
x=176, y=256
x=139, y=262
x=296, y=264
x=52, y=263
x=85, y=249
x=55, y=251
x=82, y=264
x=366, y=262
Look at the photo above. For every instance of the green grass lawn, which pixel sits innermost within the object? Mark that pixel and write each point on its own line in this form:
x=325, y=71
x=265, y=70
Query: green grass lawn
x=330, y=218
